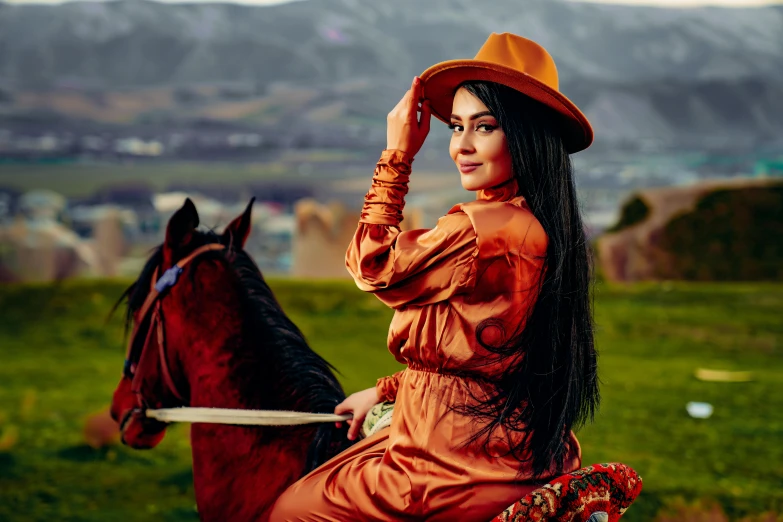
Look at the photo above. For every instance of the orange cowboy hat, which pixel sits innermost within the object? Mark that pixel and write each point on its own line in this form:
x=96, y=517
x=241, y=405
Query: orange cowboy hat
x=515, y=62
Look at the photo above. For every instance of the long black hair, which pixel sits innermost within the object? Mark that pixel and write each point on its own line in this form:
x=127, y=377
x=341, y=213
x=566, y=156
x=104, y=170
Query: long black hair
x=550, y=384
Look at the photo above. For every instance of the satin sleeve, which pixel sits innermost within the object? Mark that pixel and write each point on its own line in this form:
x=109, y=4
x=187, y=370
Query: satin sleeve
x=415, y=267
x=386, y=387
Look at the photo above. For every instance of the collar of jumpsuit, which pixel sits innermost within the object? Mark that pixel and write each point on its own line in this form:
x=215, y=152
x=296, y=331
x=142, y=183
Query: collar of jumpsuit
x=506, y=191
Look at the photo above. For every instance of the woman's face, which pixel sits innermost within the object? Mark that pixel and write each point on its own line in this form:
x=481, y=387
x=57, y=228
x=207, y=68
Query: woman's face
x=478, y=144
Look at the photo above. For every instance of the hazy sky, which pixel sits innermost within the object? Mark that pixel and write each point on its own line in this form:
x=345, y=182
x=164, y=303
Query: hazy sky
x=663, y=3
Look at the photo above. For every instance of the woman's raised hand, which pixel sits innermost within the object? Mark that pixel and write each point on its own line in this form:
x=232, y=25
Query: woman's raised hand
x=405, y=130
x=359, y=404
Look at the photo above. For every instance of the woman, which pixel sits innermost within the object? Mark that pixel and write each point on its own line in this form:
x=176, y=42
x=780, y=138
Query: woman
x=492, y=311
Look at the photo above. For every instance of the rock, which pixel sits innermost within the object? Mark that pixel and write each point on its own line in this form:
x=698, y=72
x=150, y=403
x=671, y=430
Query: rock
x=100, y=430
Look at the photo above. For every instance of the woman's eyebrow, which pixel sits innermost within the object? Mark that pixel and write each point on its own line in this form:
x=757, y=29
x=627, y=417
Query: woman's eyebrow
x=475, y=116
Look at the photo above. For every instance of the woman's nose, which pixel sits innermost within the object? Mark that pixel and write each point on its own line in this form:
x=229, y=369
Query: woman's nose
x=465, y=144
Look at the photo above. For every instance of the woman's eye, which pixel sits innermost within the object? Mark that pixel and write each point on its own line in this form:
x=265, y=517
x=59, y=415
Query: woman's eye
x=486, y=127
x=455, y=127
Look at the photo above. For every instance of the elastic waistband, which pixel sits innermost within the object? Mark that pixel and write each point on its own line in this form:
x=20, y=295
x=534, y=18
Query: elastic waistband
x=452, y=374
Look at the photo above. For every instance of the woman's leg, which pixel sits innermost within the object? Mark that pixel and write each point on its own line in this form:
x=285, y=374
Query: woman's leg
x=349, y=487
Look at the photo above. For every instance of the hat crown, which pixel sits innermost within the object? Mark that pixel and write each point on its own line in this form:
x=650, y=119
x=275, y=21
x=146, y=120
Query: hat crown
x=520, y=54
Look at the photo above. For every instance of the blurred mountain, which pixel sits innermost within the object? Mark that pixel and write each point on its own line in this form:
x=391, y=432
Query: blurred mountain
x=669, y=76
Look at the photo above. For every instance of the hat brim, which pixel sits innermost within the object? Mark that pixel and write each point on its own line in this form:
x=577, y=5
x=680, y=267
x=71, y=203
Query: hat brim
x=441, y=81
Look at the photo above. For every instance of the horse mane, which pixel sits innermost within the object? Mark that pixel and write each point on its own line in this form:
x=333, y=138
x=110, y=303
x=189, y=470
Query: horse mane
x=315, y=384
x=278, y=351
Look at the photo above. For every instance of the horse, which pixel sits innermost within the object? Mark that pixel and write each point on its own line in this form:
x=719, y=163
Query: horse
x=219, y=338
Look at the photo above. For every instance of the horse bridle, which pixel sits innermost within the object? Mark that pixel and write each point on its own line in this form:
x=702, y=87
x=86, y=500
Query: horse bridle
x=152, y=305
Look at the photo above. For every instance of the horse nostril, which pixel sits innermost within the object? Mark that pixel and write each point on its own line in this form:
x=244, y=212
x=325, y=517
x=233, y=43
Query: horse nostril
x=125, y=420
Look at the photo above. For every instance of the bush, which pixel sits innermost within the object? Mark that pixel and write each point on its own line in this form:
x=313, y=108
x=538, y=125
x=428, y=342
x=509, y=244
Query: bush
x=730, y=235
x=633, y=212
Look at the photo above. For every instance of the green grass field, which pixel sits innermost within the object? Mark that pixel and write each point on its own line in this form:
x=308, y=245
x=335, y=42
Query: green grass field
x=60, y=362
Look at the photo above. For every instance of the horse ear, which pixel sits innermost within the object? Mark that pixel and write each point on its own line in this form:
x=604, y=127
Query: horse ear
x=239, y=229
x=180, y=228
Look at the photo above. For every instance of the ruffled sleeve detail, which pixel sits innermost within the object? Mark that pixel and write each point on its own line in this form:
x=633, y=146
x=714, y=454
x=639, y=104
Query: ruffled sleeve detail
x=414, y=267
x=384, y=202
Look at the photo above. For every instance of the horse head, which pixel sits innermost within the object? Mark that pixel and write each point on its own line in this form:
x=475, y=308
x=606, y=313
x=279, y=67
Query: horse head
x=170, y=322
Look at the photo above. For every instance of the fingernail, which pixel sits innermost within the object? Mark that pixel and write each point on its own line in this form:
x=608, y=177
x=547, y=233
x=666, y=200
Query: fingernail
x=416, y=79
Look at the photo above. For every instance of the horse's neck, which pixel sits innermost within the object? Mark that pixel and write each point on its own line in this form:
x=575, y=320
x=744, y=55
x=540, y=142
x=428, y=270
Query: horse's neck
x=239, y=472
x=243, y=377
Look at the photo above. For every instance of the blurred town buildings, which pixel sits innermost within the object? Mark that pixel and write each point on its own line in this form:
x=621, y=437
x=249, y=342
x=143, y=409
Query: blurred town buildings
x=43, y=238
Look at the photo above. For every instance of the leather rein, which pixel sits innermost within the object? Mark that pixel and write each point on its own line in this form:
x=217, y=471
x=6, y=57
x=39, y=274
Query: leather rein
x=152, y=307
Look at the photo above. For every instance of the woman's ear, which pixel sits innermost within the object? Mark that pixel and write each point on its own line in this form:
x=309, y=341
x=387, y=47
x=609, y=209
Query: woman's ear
x=179, y=231
x=238, y=230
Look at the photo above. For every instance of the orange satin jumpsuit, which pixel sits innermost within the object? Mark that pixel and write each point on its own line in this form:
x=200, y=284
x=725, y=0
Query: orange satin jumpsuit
x=482, y=260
